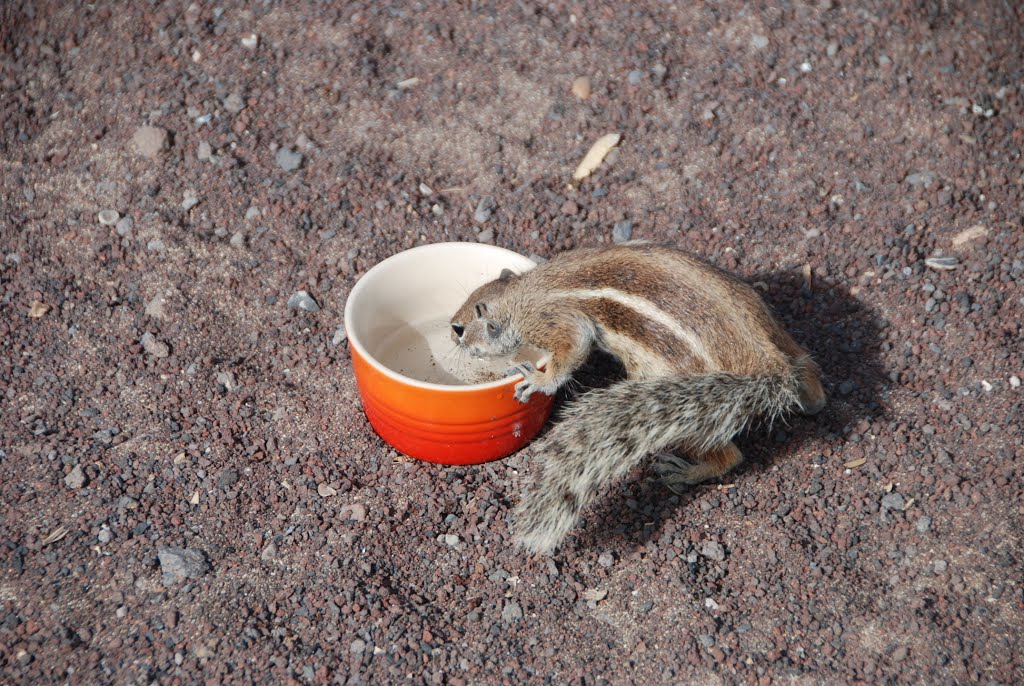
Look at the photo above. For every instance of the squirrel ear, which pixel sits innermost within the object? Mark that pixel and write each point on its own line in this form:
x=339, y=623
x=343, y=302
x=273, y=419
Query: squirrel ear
x=507, y=275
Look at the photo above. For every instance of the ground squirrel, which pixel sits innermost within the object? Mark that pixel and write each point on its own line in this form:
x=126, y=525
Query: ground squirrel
x=703, y=354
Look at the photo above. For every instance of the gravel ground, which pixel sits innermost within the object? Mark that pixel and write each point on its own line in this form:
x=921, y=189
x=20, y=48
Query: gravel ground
x=190, y=493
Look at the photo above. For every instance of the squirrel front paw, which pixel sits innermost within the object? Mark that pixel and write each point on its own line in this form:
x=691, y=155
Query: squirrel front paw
x=533, y=381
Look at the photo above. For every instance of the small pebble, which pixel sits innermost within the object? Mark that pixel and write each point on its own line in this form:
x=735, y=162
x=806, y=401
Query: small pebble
x=606, y=559
x=484, y=209
x=252, y=213
x=288, y=160
x=1015, y=381
x=326, y=490
x=920, y=178
x=846, y=387
x=940, y=566
x=302, y=300
x=150, y=141
x=108, y=217
x=190, y=200
x=237, y=240
x=893, y=501
x=204, y=151
x=340, y=336
x=581, y=87
x=357, y=647
x=658, y=72
x=234, y=103
x=485, y=236
x=713, y=551
x=622, y=231
x=425, y=190
x=634, y=77
x=104, y=536
x=124, y=226
x=512, y=611
x=154, y=347
x=76, y=478
x=227, y=380
x=452, y=540
x=269, y=552
x=178, y=564
x=944, y=264
x=251, y=41
x=923, y=524
x=758, y=41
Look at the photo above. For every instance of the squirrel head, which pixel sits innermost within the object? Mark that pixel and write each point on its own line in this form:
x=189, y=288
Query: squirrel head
x=480, y=325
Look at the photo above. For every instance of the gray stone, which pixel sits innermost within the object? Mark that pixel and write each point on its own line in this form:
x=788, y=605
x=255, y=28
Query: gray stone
x=154, y=347
x=204, y=152
x=156, y=245
x=302, y=300
x=150, y=141
x=288, y=160
x=269, y=552
x=923, y=524
x=512, y=611
x=635, y=77
x=357, y=647
x=178, y=564
x=124, y=226
x=76, y=478
x=234, y=103
x=340, y=336
x=237, y=240
x=846, y=387
x=920, y=178
x=227, y=380
x=713, y=551
x=190, y=200
x=104, y=536
x=484, y=209
x=893, y=501
x=758, y=41
x=622, y=231
x=606, y=559
x=485, y=236
x=227, y=478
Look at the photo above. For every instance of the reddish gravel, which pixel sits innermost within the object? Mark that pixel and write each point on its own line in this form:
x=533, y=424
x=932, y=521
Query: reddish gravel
x=207, y=503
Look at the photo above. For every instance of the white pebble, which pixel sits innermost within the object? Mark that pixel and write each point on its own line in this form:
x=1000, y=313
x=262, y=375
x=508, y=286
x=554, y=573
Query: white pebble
x=108, y=217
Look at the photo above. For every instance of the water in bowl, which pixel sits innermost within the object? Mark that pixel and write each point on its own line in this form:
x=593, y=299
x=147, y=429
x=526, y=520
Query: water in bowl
x=426, y=352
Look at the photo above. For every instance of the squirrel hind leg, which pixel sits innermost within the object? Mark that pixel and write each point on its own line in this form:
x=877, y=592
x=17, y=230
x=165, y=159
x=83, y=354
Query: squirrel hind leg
x=812, y=394
x=679, y=472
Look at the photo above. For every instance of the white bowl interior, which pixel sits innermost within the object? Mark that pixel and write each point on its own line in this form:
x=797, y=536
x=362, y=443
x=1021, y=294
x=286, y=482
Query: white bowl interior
x=398, y=314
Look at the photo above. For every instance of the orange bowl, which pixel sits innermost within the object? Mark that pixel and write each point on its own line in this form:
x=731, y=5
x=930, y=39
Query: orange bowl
x=397, y=320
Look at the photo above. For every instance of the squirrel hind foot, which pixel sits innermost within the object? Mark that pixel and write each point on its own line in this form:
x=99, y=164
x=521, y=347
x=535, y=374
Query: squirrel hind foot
x=678, y=472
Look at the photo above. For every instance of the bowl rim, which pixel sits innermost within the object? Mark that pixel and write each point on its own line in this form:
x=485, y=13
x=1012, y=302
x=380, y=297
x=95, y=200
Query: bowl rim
x=408, y=380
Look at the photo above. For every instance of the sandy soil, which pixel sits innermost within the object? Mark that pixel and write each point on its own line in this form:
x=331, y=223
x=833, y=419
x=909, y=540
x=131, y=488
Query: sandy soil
x=190, y=493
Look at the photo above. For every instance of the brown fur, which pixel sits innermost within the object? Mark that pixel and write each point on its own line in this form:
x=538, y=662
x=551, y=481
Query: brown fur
x=709, y=350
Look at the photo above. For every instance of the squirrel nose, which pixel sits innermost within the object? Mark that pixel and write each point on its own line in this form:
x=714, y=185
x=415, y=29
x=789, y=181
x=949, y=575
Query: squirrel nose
x=459, y=329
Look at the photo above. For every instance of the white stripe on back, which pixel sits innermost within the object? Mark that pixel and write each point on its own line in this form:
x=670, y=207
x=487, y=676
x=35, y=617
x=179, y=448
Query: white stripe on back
x=645, y=308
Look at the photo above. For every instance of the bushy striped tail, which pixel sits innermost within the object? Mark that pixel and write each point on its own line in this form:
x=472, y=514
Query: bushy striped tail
x=609, y=431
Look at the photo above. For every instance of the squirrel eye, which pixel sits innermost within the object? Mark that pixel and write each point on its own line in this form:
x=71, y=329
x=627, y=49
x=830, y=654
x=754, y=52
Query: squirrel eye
x=481, y=309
